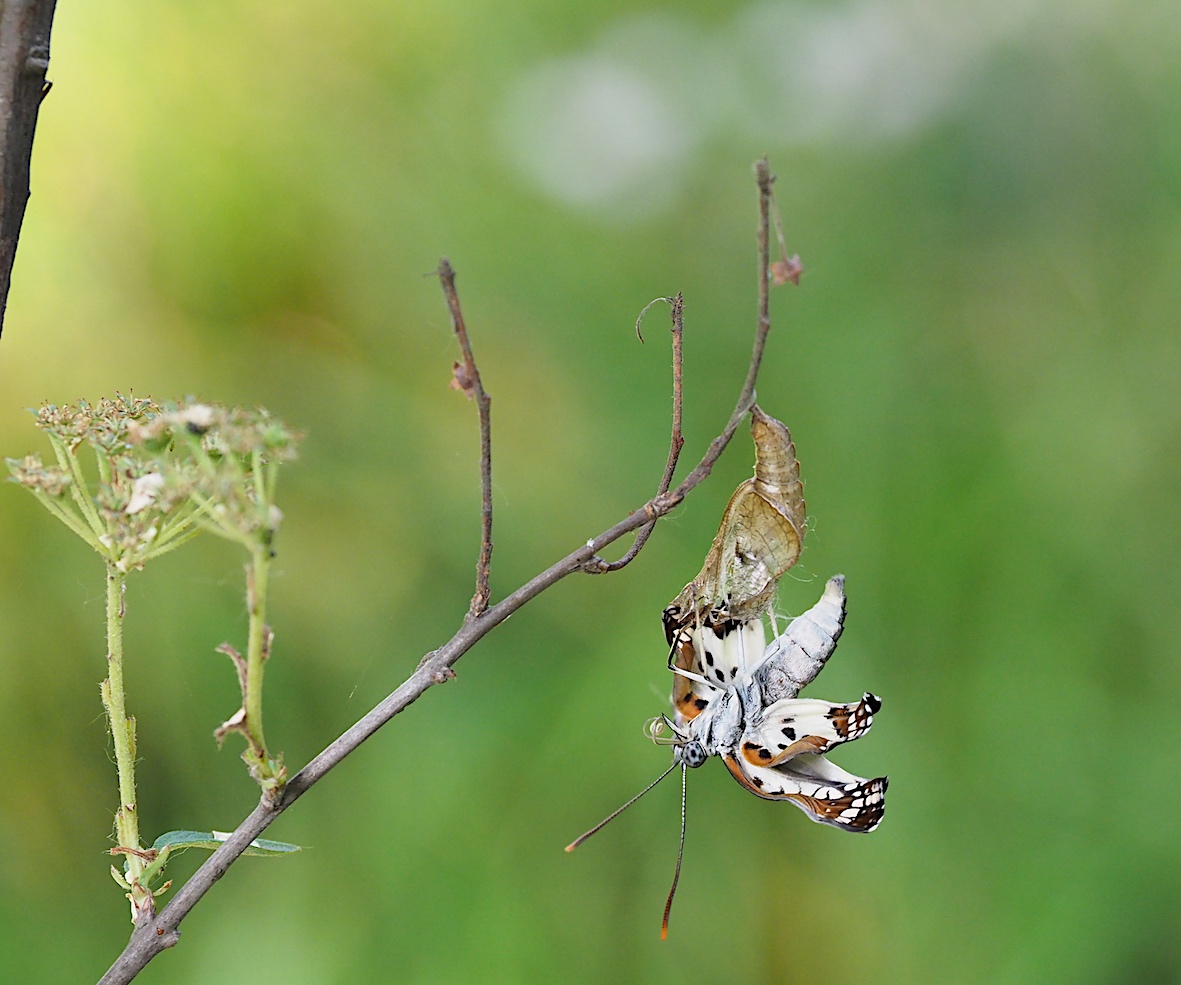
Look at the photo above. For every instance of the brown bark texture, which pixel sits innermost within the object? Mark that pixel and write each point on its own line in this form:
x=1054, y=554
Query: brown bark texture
x=24, y=60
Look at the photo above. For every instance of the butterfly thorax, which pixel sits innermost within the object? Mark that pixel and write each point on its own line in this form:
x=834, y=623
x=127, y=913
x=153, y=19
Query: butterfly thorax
x=719, y=729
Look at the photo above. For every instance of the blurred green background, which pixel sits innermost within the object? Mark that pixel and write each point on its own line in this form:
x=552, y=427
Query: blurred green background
x=981, y=371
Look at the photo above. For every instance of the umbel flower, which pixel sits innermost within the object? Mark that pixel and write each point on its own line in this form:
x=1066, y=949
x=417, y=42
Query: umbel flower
x=135, y=479
x=159, y=473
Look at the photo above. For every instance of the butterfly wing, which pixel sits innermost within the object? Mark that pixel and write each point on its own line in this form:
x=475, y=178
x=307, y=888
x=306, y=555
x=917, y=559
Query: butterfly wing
x=795, y=726
x=822, y=790
x=724, y=654
x=690, y=697
x=730, y=651
x=793, y=660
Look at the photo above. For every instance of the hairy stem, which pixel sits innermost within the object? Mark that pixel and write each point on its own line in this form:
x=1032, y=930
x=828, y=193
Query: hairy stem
x=256, y=597
x=123, y=734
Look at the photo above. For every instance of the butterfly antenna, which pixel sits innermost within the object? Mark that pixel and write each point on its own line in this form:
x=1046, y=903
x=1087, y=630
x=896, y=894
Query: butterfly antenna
x=680, y=854
x=614, y=814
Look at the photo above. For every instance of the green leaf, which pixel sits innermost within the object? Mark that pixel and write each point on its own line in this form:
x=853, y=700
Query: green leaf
x=178, y=841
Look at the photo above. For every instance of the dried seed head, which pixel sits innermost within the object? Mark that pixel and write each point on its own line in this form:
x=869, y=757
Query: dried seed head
x=32, y=474
x=162, y=469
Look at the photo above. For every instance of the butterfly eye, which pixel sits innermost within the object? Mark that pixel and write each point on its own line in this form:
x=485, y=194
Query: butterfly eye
x=692, y=754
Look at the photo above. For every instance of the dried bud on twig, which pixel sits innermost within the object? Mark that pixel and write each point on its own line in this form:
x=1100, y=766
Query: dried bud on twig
x=462, y=380
x=787, y=271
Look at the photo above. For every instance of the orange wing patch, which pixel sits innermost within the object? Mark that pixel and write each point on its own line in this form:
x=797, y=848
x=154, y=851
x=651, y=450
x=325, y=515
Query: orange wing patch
x=690, y=698
x=855, y=805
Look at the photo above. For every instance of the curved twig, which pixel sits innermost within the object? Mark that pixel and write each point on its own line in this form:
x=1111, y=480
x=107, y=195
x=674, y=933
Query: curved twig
x=675, y=444
x=157, y=932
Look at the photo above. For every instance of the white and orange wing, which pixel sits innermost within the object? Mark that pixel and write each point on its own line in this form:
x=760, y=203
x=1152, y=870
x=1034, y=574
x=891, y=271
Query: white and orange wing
x=723, y=655
x=795, y=726
x=822, y=790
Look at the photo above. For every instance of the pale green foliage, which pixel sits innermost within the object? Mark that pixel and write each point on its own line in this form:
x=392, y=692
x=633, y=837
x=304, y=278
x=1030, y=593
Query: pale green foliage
x=155, y=477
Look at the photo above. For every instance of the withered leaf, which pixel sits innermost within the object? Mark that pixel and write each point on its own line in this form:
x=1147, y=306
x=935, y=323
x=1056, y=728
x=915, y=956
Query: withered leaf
x=462, y=380
x=787, y=271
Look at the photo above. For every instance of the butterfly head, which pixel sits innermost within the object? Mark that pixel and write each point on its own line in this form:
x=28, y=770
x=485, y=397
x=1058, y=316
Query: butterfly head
x=691, y=754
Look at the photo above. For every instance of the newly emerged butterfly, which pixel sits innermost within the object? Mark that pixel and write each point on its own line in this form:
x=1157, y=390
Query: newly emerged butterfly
x=737, y=699
x=734, y=695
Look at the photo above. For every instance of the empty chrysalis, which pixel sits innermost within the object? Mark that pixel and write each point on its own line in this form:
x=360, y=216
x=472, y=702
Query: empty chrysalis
x=734, y=695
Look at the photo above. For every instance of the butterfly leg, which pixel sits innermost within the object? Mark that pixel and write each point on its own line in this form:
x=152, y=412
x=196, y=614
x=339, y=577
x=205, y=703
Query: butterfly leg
x=692, y=692
x=680, y=671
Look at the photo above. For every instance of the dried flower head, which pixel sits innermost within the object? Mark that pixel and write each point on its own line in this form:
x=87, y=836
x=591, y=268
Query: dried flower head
x=31, y=473
x=159, y=473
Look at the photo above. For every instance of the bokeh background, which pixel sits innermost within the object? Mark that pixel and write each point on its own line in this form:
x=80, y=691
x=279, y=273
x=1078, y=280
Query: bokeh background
x=981, y=369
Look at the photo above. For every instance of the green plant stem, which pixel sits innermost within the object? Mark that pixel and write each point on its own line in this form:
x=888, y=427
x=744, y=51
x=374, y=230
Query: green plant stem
x=182, y=521
x=262, y=489
x=79, y=490
x=123, y=732
x=171, y=545
x=257, y=600
x=71, y=520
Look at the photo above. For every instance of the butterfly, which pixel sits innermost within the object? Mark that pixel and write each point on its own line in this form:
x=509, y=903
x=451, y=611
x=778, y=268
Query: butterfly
x=735, y=696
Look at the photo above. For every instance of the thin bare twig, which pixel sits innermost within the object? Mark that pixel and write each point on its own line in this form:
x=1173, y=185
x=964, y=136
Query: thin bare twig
x=678, y=439
x=662, y=503
x=644, y=310
x=466, y=377
x=160, y=931
x=24, y=59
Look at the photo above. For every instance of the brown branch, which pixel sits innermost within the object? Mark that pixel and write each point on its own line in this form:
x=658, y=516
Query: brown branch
x=24, y=60
x=466, y=377
x=156, y=932
x=678, y=439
